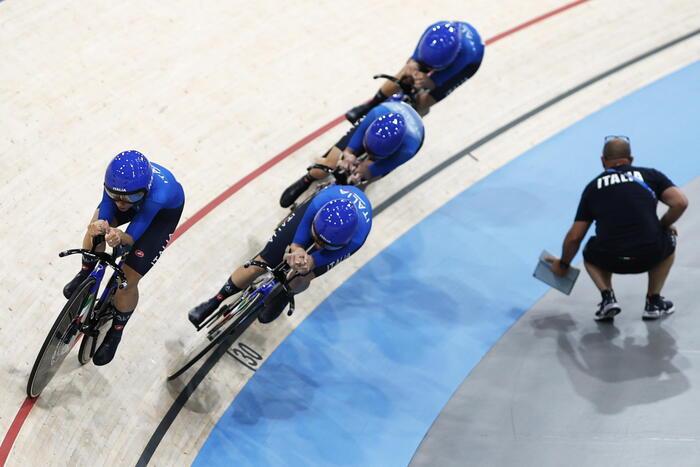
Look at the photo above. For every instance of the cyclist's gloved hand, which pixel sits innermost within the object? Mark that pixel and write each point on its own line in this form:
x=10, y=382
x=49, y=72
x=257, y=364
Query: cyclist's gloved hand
x=423, y=81
x=113, y=237
x=99, y=227
x=347, y=161
x=297, y=258
x=355, y=179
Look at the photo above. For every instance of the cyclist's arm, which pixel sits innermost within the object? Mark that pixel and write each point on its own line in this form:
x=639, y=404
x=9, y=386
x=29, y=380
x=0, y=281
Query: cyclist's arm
x=106, y=209
x=324, y=258
x=384, y=166
x=303, y=234
x=140, y=223
x=424, y=101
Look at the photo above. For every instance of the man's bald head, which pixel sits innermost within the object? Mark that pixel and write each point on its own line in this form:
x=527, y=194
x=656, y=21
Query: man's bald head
x=617, y=149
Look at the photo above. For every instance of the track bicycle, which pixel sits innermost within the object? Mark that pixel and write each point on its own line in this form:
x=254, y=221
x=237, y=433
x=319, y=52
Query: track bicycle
x=230, y=321
x=81, y=317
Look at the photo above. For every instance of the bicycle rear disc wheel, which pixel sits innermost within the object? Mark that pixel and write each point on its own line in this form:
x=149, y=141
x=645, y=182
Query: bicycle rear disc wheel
x=241, y=316
x=60, y=340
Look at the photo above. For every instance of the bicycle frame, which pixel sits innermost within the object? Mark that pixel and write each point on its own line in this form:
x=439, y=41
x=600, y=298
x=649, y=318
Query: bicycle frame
x=98, y=273
x=84, y=318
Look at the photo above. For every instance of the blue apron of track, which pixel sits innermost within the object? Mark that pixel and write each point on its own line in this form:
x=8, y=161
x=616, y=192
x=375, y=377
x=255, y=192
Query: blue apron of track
x=362, y=379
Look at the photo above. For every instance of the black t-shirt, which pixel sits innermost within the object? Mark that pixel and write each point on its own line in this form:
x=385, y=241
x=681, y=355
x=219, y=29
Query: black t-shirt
x=623, y=209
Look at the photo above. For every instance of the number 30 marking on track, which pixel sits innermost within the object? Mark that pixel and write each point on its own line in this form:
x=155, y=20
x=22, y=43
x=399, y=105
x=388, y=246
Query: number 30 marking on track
x=246, y=356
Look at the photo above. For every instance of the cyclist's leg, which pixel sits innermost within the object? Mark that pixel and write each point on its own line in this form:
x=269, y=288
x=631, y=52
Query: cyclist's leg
x=143, y=256
x=124, y=303
x=329, y=159
x=389, y=87
x=385, y=91
x=239, y=279
x=272, y=254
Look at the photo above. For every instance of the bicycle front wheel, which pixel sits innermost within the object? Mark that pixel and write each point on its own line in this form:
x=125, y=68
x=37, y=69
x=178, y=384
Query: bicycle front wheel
x=233, y=321
x=93, y=338
x=61, y=339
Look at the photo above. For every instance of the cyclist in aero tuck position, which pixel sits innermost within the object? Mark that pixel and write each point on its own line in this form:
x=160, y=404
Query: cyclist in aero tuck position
x=448, y=54
x=148, y=196
x=319, y=234
x=391, y=135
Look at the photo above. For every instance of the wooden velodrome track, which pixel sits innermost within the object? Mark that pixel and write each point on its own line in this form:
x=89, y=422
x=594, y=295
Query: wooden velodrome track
x=213, y=91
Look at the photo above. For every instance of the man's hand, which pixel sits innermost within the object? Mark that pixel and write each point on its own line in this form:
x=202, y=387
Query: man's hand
x=673, y=230
x=113, y=237
x=297, y=258
x=557, y=267
x=99, y=227
x=347, y=161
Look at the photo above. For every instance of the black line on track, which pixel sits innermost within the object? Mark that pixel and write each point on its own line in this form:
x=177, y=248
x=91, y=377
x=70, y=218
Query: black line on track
x=181, y=400
x=191, y=386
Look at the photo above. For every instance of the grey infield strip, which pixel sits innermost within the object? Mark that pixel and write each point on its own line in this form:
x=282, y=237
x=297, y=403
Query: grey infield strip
x=499, y=131
x=179, y=403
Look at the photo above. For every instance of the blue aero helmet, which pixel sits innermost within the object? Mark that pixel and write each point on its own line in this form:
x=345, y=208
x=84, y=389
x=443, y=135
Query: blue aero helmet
x=335, y=224
x=384, y=135
x=439, y=45
x=128, y=177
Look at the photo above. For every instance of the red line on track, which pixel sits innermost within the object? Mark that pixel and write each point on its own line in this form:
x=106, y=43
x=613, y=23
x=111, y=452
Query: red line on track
x=529, y=23
x=12, y=433
x=27, y=405
x=211, y=205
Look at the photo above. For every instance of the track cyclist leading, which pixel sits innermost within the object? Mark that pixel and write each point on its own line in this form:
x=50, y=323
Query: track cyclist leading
x=148, y=196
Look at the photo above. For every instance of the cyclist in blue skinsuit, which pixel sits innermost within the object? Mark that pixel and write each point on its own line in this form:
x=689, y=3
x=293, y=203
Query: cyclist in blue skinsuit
x=147, y=196
x=335, y=221
x=391, y=134
x=448, y=54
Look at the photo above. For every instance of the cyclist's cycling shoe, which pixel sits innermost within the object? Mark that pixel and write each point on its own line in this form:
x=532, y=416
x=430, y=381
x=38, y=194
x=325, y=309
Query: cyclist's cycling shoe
x=356, y=113
x=106, y=350
x=75, y=282
x=198, y=314
x=294, y=190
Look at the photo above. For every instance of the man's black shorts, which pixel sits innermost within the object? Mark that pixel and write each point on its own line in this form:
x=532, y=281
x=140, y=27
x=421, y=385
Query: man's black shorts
x=273, y=251
x=147, y=249
x=636, y=261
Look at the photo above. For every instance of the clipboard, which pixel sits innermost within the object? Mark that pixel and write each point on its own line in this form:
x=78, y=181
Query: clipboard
x=544, y=273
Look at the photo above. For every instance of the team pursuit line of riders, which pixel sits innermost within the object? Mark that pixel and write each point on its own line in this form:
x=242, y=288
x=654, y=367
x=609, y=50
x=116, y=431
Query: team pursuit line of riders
x=322, y=230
